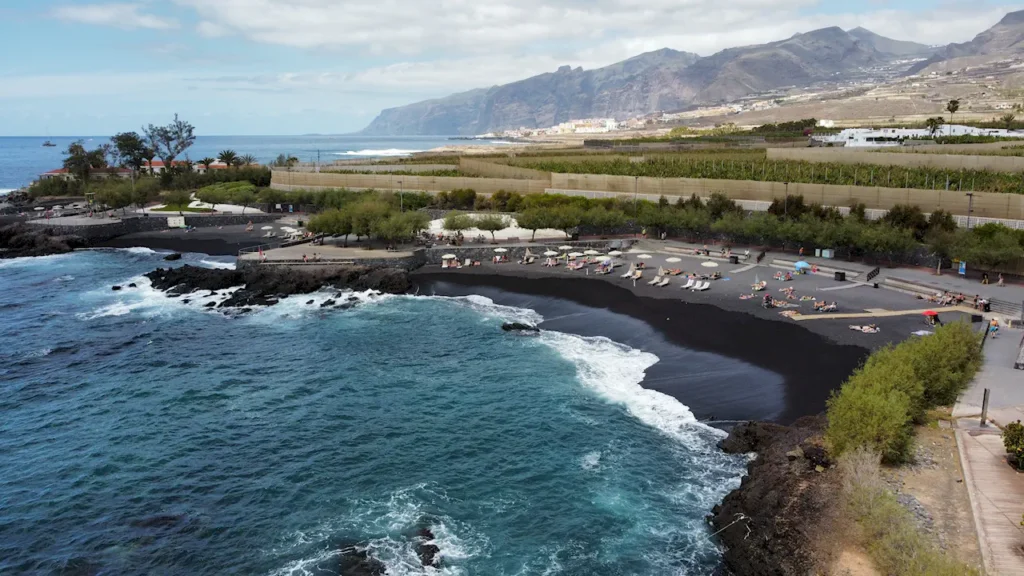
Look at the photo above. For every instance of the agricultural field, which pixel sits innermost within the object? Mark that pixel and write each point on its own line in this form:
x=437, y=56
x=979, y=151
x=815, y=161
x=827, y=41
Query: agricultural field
x=725, y=167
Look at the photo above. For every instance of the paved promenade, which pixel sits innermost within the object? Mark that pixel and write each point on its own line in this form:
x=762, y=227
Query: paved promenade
x=996, y=490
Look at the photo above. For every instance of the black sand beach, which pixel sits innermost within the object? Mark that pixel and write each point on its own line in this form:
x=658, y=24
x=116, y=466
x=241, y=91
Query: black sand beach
x=796, y=368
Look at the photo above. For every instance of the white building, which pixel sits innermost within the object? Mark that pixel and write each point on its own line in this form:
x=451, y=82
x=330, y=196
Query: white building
x=870, y=137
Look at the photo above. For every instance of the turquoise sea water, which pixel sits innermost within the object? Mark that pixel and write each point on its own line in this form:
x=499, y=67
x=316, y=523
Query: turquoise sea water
x=141, y=434
x=23, y=158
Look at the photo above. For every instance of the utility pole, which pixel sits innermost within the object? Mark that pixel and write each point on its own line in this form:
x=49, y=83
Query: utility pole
x=636, y=183
x=970, y=208
x=401, y=197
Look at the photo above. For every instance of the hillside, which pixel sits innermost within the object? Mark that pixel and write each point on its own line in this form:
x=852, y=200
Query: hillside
x=1002, y=40
x=663, y=80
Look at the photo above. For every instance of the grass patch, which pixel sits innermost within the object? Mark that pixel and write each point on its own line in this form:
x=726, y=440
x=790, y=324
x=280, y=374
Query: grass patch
x=890, y=534
x=180, y=208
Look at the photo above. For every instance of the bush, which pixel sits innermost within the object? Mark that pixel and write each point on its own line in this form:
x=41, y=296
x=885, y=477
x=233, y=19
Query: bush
x=1013, y=440
x=896, y=386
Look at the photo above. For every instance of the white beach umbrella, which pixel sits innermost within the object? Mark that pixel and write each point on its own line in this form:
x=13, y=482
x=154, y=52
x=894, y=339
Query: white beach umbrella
x=565, y=247
x=39, y=208
x=500, y=250
x=709, y=264
x=591, y=252
x=575, y=254
x=551, y=253
x=644, y=256
x=615, y=253
x=448, y=256
x=673, y=260
x=267, y=228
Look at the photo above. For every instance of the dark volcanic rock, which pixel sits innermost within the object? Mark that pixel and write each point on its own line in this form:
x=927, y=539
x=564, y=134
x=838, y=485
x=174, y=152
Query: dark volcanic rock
x=20, y=240
x=519, y=327
x=356, y=562
x=115, y=288
x=132, y=285
x=172, y=257
x=263, y=286
x=426, y=549
x=771, y=524
x=328, y=303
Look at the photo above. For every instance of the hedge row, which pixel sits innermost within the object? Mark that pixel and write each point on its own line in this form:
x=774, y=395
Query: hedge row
x=879, y=404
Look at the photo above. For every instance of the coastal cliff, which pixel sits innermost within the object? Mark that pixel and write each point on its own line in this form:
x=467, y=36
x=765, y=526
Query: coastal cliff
x=775, y=522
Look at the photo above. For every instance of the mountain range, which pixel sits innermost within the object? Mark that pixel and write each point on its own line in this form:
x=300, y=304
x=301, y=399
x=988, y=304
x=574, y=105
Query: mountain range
x=670, y=80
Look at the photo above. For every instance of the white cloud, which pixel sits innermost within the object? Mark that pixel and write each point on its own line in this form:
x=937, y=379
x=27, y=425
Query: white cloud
x=127, y=16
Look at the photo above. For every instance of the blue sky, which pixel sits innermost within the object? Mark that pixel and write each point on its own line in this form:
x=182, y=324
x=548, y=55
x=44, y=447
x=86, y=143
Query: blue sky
x=329, y=66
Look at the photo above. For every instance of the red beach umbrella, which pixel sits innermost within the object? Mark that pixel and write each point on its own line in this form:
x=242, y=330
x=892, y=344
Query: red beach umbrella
x=930, y=313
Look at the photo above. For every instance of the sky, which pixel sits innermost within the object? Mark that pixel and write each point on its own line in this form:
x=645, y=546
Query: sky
x=281, y=67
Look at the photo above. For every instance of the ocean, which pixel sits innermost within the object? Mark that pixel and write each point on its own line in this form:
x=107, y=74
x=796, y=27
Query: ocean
x=143, y=434
x=23, y=158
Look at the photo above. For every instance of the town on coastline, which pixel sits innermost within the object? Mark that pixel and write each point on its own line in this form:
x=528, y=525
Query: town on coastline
x=918, y=257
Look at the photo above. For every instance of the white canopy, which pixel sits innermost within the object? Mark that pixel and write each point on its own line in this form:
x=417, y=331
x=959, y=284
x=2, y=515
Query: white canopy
x=591, y=252
x=575, y=254
x=673, y=260
x=709, y=264
x=500, y=250
x=644, y=256
x=267, y=228
x=448, y=256
x=565, y=247
x=551, y=253
x=615, y=253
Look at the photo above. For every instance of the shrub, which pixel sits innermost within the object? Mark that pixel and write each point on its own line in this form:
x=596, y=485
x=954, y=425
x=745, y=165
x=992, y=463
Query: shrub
x=878, y=418
x=1013, y=440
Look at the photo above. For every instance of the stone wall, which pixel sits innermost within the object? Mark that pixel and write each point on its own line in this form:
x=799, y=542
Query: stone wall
x=115, y=228
x=416, y=260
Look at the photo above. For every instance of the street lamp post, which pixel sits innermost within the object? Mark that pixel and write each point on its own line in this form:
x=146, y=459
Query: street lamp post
x=785, y=203
x=401, y=197
x=970, y=208
x=636, y=182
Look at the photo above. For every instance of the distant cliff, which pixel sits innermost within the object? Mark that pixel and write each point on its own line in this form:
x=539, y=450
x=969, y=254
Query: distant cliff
x=664, y=80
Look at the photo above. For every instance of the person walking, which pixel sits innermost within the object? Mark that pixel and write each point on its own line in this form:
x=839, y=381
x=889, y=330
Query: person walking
x=1000, y=282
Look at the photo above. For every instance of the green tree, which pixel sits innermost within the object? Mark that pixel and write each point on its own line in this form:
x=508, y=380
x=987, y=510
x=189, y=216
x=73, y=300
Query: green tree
x=129, y=150
x=228, y=157
x=244, y=196
x=933, y=124
x=365, y=214
x=284, y=161
x=248, y=160
x=116, y=195
x=212, y=195
x=179, y=199
x=80, y=162
x=567, y=219
x=604, y=220
x=457, y=221
x=206, y=162
x=170, y=141
x=952, y=106
x=534, y=219
x=491, y=223
x=1007, y=120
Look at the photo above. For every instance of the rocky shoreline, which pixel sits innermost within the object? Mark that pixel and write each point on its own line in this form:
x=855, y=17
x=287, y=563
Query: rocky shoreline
x=775, y=523
x=266, y=286
x=22, y=240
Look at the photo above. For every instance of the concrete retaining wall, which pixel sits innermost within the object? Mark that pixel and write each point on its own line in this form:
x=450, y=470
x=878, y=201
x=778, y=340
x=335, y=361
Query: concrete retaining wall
x=296, y=181
x=115, y=228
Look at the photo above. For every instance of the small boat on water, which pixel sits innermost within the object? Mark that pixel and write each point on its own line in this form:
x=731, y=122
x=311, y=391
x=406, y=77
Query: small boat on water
x=48, y=144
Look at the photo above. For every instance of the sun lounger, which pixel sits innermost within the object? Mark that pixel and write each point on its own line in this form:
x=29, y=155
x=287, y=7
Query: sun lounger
x=689, y=284
x=663, y=283
x=702, y=286
x=638, y=274
x=628, y=274
x=655, y=281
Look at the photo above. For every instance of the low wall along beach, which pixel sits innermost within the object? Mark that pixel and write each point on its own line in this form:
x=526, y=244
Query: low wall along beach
x=105, y=230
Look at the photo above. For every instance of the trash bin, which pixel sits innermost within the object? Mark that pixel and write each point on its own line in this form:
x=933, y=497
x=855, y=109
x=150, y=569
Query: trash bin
x=734, y=259
x=840, y=276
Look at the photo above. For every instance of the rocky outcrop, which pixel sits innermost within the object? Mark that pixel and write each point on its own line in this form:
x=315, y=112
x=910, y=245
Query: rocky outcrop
x=519, y=327
x=265, y=286
x=776, y=521
x=355, y=561
x=426, y=549
x=20, y=240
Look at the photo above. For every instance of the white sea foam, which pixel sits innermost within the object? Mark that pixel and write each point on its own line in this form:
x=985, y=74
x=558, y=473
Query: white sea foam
x=30, y=260
x=138, y=250
x=590, y=460
x=615, y=371
x=216, y=264
x=486, y=307
x=384, y=152
x=308, y=566
x=305, y=305
x=148, y=301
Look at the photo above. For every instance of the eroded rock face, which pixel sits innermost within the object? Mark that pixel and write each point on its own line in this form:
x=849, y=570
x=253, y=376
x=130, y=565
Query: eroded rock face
x=21, y=240
x=264, y=286
x=356, y=561
x=771, y=524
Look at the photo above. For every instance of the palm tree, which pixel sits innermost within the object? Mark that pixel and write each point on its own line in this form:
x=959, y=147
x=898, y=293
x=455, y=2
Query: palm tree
x=205, y=162
x=952, y=107
x=248, y=160
x=228, y=157
x=933, y=124
x=1007, y=120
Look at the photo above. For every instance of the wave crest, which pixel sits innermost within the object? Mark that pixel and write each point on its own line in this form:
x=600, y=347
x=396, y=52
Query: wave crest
x=382, y=152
